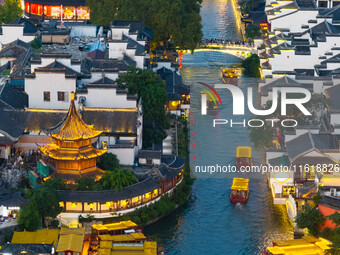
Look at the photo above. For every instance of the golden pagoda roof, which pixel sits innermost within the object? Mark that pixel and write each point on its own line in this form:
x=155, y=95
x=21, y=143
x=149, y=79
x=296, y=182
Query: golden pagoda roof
x=74, y=128
x=71, y=154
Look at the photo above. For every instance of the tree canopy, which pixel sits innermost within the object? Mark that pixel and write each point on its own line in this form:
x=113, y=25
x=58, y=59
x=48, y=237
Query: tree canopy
x=309, y=217
x=251, y=66
x=252, y=31
x=56, y=183
x=177, y=20
x=150, y=88
x=44, y=203
x=117, y=179
x=87, y=183
x=108, y=161
x=10, y=11
x=29, y=217
x=249, y=5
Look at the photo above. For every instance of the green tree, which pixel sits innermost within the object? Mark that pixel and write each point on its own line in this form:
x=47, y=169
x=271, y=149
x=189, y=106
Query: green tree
x=150, y=88
x=262, y=137
x=10, y=11
x=177, y=20
x=87, y=183
x=56, y=183
x=43, y=204
x=252, y=31
x=335, y=234
x=117, y=179
x=252, y=66
x=29, y=217
x=37, y=43
x=108, y=161
x=47, y=202
x=309, y=217
x=249, y=5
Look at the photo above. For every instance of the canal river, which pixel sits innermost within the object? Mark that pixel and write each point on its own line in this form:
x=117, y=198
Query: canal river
x=209, y=223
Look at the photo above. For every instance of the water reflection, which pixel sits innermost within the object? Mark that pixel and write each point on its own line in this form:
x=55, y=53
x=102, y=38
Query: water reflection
x=209, y=223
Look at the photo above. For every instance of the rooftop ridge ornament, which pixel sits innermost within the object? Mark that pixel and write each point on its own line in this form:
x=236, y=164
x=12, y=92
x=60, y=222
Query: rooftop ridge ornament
x=71, y=148
x=74, y=128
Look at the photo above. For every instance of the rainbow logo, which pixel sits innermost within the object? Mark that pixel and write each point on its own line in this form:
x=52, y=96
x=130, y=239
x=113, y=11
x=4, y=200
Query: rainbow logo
x=212, y=93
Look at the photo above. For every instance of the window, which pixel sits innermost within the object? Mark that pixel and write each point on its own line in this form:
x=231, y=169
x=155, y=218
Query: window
x=323, y=4
x=47, y=96
x=333, y=192
x=61, y=96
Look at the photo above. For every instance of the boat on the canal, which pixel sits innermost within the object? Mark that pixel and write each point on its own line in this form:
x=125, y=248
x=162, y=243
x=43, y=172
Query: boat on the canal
x=239, y=190
x=229, y=76
x=211, y=101
x=243, y=157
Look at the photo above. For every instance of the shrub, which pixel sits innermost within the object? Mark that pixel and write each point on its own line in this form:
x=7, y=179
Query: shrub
x=108, y=161
x=36, y=44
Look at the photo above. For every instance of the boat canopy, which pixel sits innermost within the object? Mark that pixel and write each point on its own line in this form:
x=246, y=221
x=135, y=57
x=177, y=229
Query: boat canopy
x=303, y=246
x=243, y=152
x=240, y=184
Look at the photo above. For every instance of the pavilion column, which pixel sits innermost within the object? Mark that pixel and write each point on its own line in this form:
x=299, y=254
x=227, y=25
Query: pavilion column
x=82, y=207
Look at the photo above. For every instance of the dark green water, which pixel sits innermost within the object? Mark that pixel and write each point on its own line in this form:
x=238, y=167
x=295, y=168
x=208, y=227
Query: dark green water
x=209, y=223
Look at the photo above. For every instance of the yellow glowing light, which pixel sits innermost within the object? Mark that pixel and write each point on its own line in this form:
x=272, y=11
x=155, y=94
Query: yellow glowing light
x=111, y=109
x=91, y=205
x=108, y=204
x=74, y=205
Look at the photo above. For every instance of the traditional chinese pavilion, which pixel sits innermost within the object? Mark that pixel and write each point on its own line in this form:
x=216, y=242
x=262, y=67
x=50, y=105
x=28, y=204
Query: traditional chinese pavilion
x=71, y=149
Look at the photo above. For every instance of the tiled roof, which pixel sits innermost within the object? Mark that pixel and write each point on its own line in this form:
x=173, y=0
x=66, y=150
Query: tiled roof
x=13, y=97
x=108, y=65
x=18, y=121
x=307, y=142
x=134, y=190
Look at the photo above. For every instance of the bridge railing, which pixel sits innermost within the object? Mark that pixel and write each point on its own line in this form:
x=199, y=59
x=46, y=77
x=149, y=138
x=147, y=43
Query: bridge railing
x=227, y=45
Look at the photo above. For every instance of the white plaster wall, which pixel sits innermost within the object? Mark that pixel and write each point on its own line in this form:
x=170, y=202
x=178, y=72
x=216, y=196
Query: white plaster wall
x=4, y=61
x=314, y=154
x=107, y=98
x=335, y=118
x=12, y=33
x=118, y=32
x=52, y=82
x=86, y=30
x=293, y=21
x=273, y=154
x=125, y=155
x=139, y=61
x=116, y=49
x=335, y=155
x=64, y=61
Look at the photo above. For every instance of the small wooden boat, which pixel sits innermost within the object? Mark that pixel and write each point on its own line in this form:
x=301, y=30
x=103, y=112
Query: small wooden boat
x=229, y=76
x=239, y=190
x=243, y=157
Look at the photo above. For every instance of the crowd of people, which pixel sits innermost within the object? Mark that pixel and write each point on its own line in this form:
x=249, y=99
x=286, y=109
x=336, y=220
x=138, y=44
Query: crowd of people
x=225, y=42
